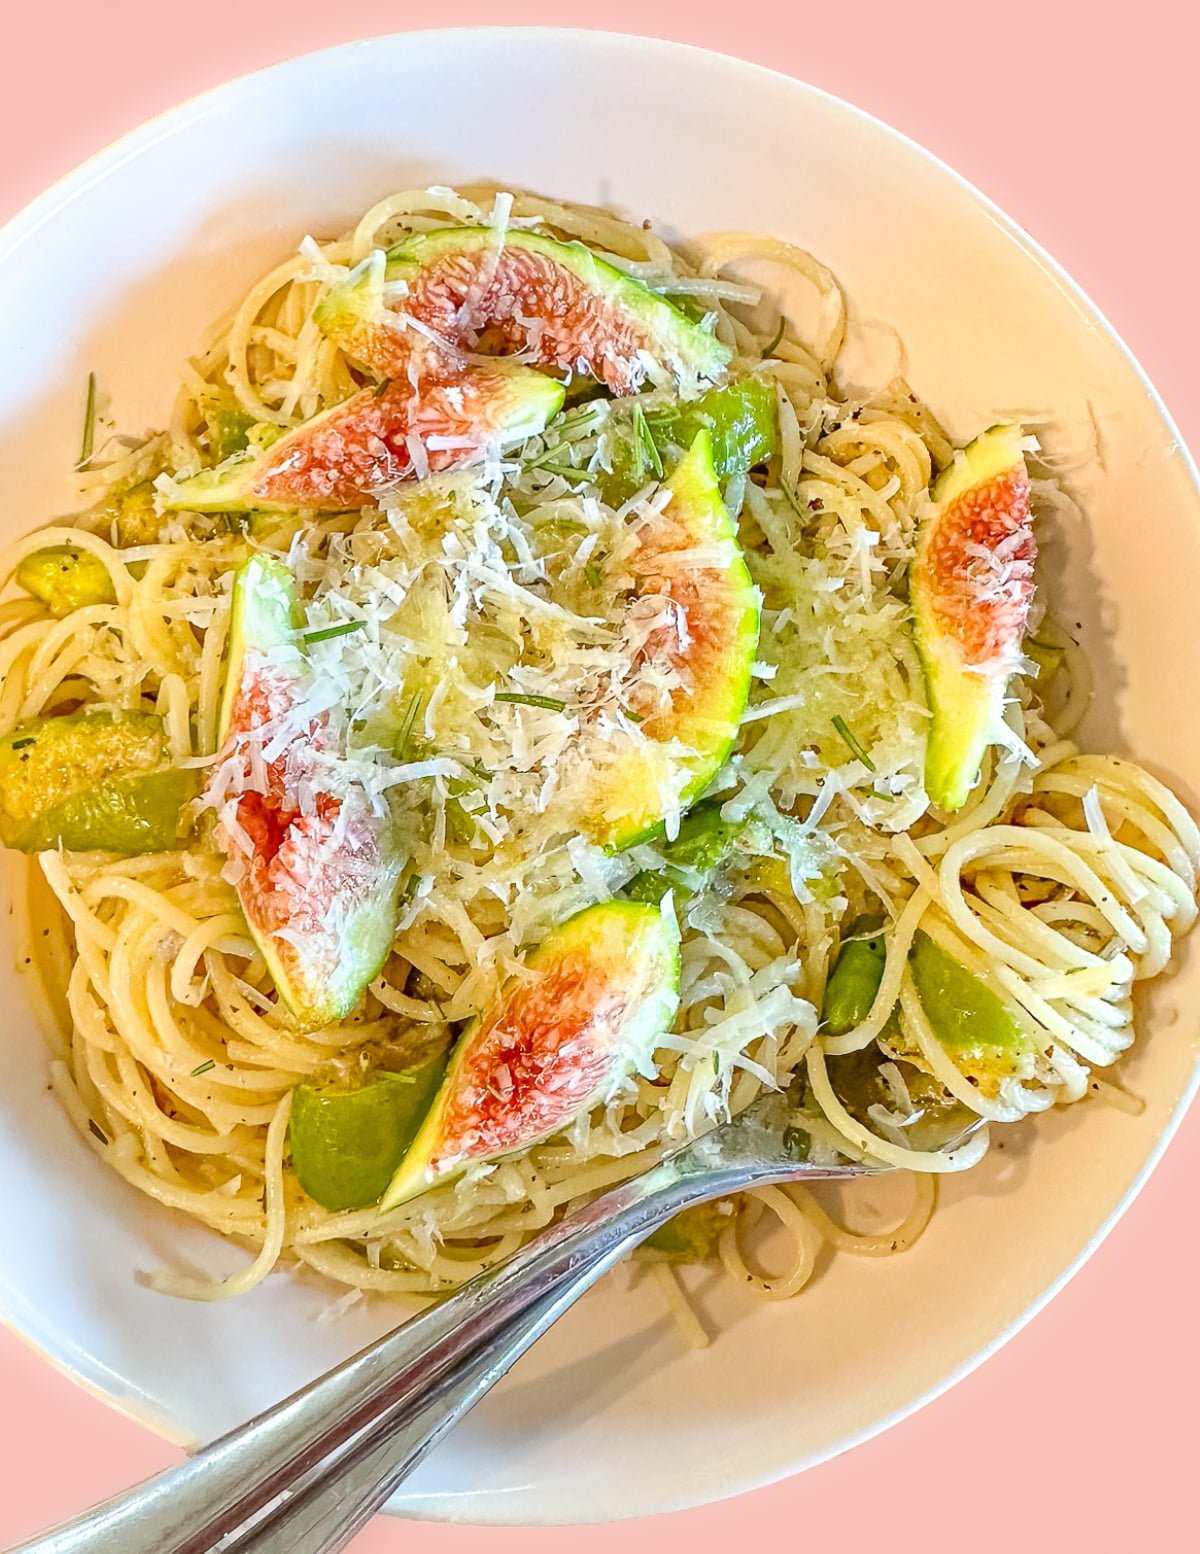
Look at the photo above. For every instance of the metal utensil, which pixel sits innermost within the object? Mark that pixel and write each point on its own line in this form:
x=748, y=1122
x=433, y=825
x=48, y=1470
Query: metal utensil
x=306, y=1475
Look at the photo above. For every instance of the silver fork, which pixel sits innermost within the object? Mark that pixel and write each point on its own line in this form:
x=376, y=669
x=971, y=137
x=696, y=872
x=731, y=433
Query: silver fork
x=306, y=1475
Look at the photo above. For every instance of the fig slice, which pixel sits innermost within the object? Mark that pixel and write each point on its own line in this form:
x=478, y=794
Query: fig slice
x=315, y=865
x=589, y=1008
x=971, y=585
x=558, y=304
x=346, y=456
x=689, y=565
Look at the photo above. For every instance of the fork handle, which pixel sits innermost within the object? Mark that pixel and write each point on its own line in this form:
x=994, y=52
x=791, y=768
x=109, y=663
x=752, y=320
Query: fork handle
x=247, y=1478
x=327, y=1509
x=324, y=1512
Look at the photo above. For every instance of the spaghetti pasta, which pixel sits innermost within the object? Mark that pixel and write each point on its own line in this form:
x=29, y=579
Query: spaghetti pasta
x=1063, y=881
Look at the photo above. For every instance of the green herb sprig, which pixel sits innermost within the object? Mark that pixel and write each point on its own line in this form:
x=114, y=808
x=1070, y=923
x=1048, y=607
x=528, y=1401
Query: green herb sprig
x=521, y=699
x=400, y=746
x=88, y=441
x=779, y=333
x=326, y=633
x=852, y=744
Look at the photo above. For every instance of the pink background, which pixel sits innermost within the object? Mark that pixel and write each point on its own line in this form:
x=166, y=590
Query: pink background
x=1083, y=1429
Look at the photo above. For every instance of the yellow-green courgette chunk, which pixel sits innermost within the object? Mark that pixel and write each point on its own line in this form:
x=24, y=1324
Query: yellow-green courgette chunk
x=135, y=518
x=692, y=1236
x=92, y=781
x=970, y=1020
x=65, y=579
x=347, y=1143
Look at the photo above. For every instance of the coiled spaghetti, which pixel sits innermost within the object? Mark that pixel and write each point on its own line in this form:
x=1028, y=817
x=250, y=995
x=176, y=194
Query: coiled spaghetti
x=1063, y=882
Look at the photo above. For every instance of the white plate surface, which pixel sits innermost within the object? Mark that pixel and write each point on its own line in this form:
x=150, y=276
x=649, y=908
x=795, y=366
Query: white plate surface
x=120, y=267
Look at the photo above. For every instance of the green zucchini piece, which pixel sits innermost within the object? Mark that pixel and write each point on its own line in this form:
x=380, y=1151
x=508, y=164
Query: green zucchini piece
x=92, y=781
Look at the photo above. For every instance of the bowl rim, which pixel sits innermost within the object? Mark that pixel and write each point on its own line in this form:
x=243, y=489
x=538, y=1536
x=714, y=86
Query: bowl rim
x=90, y=1372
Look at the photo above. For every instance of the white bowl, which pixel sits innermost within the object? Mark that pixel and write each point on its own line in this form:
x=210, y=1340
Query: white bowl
x=119, y=268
